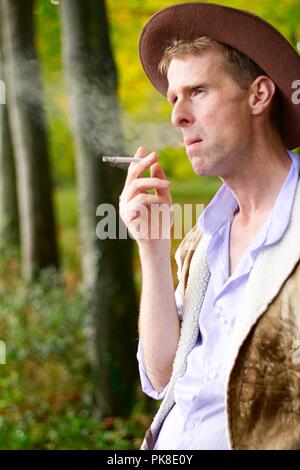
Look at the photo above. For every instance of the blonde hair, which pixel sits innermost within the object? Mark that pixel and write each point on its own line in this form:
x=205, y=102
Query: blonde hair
x=239, y=66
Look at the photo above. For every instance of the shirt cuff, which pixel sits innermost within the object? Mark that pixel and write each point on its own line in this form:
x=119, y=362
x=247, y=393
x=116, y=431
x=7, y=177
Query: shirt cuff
x=179, y=303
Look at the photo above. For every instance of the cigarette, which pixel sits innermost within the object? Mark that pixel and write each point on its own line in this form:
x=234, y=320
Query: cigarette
x=115, y=159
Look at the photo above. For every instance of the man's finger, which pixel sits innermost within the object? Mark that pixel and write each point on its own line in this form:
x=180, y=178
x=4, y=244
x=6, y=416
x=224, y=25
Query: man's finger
x=157, y=171
x=137, y=169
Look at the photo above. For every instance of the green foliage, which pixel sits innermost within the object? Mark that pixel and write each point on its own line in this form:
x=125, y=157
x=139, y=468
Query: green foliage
x=47, y=383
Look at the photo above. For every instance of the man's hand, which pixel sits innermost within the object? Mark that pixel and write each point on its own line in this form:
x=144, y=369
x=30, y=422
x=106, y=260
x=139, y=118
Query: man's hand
x=139, y=209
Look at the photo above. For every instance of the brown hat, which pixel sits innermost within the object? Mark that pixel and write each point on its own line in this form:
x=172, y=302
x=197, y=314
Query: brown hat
x=240, y=29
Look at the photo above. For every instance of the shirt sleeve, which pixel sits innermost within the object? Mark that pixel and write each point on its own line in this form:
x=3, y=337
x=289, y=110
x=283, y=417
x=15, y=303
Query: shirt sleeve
x=145, y=382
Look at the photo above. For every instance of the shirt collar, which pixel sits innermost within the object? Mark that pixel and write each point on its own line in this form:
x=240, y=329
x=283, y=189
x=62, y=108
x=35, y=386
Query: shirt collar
x=218, y=211
x=281, y=212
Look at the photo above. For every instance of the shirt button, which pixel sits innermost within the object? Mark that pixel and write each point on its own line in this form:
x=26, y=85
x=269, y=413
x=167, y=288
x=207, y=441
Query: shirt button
x=212, y=375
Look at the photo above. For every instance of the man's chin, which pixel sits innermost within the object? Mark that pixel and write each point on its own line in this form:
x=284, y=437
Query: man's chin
x=202, y=172
x=199, y=166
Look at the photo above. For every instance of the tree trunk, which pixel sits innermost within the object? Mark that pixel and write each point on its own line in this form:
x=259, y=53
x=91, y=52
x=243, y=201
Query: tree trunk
x=29, y=138
x=9, y=224
x=106, y=264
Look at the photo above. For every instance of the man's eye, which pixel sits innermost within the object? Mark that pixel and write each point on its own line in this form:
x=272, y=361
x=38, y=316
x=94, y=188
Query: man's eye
x=197, y=91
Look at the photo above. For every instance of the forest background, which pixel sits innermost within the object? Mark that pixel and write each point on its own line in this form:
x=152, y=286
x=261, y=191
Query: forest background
x=75, y=90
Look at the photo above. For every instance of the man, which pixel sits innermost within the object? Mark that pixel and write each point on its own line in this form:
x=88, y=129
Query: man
x=223, y=352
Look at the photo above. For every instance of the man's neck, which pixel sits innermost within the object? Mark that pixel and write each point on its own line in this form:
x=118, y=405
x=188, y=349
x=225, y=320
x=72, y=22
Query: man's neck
x=256, y=184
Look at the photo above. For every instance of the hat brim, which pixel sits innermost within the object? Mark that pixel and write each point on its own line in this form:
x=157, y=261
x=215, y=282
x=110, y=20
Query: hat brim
x=240, y=29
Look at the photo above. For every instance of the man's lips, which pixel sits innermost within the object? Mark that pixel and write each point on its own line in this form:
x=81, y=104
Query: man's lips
x=189, y=142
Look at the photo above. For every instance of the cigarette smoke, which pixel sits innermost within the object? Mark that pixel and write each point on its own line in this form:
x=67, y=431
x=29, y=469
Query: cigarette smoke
x=103, y=132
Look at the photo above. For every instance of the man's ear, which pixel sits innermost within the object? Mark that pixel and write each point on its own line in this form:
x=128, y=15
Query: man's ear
x=261, y=93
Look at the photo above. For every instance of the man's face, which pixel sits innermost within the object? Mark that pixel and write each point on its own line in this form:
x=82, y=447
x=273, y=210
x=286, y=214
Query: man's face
x=211, y=110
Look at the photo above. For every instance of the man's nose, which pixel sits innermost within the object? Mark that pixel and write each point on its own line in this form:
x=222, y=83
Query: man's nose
x=181, y=115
